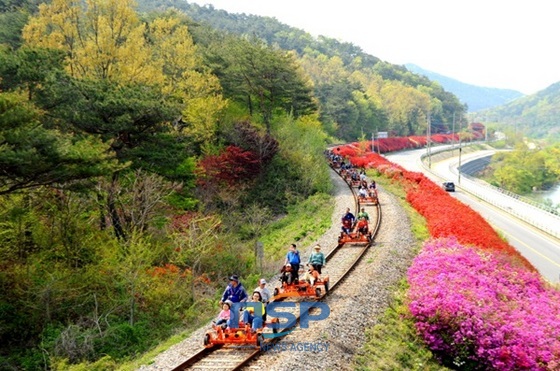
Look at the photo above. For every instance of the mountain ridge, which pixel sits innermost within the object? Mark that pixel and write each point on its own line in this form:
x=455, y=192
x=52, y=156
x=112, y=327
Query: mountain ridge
x=533, y=115
x=477, y=98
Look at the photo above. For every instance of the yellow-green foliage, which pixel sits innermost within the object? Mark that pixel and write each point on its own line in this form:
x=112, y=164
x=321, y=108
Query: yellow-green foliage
x=525, y=168
x=104, y=364
x=302, y=143
x=304, y=223
x=105, y=40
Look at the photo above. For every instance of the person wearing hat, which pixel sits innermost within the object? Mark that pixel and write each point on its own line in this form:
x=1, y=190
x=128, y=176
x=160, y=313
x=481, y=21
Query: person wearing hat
x=263, y=290
x=286, y=274
x=317, y=259
x=234, y=291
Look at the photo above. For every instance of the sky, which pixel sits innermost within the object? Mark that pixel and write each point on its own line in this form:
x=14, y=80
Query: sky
x=490, y=43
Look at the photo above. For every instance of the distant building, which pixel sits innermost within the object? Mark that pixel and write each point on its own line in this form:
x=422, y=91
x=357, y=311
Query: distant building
x=478, y=130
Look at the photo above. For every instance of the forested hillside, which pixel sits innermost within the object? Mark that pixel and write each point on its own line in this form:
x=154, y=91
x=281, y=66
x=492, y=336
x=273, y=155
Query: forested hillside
x=534, y=116
x=525, y=169
x=358, y=94
x=143, y=154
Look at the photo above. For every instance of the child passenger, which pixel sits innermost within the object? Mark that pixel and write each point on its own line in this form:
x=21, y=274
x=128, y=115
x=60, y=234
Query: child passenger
x=225, y=314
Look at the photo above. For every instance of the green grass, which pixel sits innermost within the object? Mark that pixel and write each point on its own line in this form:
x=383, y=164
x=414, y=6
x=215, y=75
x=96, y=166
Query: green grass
x=107, y=363
x=147, y=358
x=392, y=344
x=304, y=223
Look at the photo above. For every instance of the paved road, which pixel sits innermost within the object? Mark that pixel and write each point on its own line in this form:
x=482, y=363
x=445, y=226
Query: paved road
x=533, y=232
x=473, y=167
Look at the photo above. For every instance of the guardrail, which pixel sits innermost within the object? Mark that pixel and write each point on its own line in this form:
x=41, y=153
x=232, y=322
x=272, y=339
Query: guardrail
x=539, y=215
x=555, y=210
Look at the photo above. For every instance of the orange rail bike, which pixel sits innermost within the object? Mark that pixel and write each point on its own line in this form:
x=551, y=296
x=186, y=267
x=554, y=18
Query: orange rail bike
x=302, y=288
x=242, y=335
x=360, y=234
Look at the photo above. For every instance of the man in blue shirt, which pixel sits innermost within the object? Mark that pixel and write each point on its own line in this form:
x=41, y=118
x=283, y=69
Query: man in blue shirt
x=348, y=221
x=237, y=294
x=292, y=258
x=234, y=291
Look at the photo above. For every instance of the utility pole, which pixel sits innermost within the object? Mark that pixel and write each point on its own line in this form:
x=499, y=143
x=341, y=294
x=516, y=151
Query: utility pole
x=460, y=150
x=453, y=132
x=429, y=142
x=459, y=168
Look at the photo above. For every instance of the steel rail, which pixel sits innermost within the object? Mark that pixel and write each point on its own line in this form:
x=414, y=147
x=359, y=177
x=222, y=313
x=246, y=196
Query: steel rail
x=227, y=357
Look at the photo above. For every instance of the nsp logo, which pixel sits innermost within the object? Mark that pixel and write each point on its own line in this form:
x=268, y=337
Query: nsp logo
x=285, y=313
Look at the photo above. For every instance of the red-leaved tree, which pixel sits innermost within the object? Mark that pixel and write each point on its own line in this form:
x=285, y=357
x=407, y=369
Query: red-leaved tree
x=230, y=168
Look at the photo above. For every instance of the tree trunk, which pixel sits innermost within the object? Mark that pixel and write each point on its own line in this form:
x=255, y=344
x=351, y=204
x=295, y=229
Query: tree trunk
x=250, y=104
x=113, y=212
x=102, y=222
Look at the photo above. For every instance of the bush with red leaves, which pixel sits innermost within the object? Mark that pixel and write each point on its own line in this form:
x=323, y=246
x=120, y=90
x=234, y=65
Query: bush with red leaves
x=232, y=167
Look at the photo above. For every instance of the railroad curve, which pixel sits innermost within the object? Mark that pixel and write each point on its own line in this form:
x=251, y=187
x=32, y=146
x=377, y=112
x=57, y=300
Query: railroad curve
x=341, y=259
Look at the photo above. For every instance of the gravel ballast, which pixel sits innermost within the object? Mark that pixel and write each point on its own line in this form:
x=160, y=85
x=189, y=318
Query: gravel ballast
x=355, y=305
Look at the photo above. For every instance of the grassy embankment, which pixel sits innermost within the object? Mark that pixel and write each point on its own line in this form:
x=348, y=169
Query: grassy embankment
x=392, y=344
x=303, y=224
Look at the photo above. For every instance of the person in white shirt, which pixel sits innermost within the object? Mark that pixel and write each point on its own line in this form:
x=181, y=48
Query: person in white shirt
x=264, y=291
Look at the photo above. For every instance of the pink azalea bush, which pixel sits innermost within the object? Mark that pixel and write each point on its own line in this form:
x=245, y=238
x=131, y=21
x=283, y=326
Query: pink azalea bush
x=477, y=307
x=475, y=310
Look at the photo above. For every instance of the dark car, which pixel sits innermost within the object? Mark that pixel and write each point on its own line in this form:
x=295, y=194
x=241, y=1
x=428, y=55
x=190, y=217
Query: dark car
x=449, y=186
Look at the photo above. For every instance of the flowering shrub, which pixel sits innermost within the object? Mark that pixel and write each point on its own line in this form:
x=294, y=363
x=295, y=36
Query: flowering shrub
x=419, y=141
x=393, y=144
x=473, y=307
x=477, y=307
x=347, y=150
x=446, y=216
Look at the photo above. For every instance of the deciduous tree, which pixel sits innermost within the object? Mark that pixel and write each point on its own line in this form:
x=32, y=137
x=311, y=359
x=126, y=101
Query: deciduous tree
x=186, y=78
x=103, y=39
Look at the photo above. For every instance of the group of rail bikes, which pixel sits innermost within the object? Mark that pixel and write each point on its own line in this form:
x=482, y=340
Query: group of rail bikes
x=355, y=238
x=290, y=288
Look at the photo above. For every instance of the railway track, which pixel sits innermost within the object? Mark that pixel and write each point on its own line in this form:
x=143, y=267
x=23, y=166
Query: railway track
x=340, y=261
